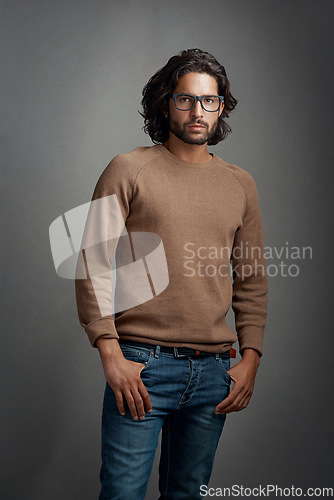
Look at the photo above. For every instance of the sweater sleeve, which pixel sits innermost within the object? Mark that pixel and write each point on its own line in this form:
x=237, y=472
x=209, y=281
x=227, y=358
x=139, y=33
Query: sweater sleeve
x=249, y=300
x=105, y=223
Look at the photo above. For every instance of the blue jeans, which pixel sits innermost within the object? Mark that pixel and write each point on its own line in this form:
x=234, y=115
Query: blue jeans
x=184, y=391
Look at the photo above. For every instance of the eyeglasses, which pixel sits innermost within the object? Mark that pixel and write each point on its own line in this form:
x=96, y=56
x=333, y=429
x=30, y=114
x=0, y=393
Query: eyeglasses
x=186, y=102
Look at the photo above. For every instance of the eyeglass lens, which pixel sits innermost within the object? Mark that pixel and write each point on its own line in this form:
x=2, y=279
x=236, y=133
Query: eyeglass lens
x=186, y=102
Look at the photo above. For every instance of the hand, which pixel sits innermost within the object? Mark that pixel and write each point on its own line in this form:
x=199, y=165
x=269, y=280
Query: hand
x=123, y=376
x=243, y=375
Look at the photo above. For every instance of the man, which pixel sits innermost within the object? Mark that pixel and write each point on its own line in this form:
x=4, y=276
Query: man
x=166, y=360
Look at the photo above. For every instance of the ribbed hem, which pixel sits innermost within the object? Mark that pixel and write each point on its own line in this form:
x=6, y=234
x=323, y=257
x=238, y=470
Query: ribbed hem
x=251, y=337
x=214, y=348
x=101, y=327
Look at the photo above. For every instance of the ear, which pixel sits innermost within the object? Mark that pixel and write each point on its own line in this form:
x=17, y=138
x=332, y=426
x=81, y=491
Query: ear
x=221, y=108
x=164, y=110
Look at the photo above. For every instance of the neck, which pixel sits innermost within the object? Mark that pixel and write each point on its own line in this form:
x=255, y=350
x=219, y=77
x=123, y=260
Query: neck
x=188, y=152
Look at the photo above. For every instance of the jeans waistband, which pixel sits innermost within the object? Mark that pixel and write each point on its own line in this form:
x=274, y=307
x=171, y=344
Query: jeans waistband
x=178, y=352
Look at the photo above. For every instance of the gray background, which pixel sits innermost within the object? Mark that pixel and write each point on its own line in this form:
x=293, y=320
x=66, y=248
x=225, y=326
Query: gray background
x=71, y=76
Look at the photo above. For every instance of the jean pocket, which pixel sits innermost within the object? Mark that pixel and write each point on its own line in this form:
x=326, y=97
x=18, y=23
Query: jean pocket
x=137, y=354
x=224, y=364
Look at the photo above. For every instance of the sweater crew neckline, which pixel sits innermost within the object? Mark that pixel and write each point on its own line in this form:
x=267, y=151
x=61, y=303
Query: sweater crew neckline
x=185, y=163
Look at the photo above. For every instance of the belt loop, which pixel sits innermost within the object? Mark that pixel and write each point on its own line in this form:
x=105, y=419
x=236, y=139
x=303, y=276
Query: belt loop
x=157, y=351
x=176, y=354
x=217, y=356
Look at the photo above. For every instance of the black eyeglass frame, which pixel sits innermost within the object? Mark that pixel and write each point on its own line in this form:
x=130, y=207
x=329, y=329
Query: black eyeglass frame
x=198, y=98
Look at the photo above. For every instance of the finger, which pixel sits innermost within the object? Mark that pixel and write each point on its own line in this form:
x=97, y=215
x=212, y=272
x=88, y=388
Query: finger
x=231, y=403
x=131, y=404
x=239, y=403
x=245, y=399
x=232, y=407
x=145, y=396
x=139, y=405
x=233, y=379
x=229, y=399
x=120, y=402
x=138, y=394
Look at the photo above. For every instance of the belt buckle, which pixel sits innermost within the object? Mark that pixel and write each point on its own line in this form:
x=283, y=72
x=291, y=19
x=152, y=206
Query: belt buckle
x=178, y=354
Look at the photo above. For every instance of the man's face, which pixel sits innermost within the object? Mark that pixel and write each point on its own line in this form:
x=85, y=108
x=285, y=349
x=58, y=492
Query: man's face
x=195, y=126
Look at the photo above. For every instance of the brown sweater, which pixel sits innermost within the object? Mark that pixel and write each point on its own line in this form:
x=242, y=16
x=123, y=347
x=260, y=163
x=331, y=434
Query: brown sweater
x=198, y=221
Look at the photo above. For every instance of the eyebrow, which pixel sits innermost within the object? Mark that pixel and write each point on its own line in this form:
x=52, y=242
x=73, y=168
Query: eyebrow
x=191, y=93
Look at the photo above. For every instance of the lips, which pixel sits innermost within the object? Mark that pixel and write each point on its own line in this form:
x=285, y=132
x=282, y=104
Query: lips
x=196, y=127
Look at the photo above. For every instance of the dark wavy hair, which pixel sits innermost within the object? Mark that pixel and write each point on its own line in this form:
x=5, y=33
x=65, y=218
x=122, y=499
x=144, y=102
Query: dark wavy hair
x=157, y=90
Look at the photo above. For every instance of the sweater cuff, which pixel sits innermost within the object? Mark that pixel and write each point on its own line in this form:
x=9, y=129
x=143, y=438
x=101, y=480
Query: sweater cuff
x=101, y=327
x=251, y=337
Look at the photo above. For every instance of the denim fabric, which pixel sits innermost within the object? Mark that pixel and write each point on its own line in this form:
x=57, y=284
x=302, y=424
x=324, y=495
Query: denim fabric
x=184, y=392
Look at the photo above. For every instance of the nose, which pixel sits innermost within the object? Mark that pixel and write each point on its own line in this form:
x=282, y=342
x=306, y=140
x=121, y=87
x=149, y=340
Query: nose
x=197, y=110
